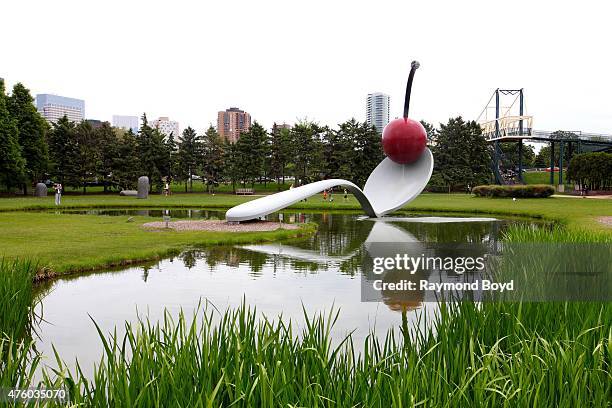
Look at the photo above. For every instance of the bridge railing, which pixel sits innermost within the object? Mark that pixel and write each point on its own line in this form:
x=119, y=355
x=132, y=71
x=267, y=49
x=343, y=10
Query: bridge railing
x=508, y=126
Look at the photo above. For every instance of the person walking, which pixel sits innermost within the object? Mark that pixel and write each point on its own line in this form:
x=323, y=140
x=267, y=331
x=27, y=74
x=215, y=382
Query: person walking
x=58, y=193
x=324, y=195
x=345, y=195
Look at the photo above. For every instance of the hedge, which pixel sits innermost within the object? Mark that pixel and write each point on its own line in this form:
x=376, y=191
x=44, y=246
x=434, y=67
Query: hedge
x=527, y=191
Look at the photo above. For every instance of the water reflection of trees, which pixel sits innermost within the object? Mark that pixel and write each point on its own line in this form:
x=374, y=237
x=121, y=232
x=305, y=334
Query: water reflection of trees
x=340, y=238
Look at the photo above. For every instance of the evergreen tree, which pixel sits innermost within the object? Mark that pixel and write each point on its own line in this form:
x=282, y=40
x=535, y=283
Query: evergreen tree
x=172, y=149
x=107, y=143
x=461, y=155
x=280, y=152
x=126, y=164
x=367, y=150
x=212, y=166
x=12, y=164
x=32, y=134
x=307, y=151
x=258, y=152
x=189, y=156
x=63, y=150
x=337, y=150
x=86, y=158
x=430, y=129
x=153, y=153
x=231, y=165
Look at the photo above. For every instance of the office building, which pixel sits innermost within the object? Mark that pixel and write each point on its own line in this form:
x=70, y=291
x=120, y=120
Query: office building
x=126, y=122
x=166, y=126
x=231, y=122
x=53, y=107
x=377, y=110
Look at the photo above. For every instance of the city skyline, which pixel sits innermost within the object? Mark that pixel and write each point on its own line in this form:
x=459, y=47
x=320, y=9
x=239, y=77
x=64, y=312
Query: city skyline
x=561, y=72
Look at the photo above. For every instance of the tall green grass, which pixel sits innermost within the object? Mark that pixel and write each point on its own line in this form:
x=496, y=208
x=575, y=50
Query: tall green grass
x=18, y=362
x=16, y=296
x=555, y=355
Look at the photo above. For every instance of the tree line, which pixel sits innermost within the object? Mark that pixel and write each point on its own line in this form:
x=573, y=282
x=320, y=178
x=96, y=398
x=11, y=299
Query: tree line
x=79, y=155
x=593, y=171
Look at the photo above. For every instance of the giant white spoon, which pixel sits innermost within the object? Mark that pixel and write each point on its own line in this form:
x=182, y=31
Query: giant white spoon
x=389, y=187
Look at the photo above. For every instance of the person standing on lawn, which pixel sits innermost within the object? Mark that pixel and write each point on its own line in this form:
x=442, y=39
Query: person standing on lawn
x=58, y=193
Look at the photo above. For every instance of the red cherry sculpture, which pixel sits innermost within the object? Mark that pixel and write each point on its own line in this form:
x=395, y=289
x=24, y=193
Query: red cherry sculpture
x=404, y=140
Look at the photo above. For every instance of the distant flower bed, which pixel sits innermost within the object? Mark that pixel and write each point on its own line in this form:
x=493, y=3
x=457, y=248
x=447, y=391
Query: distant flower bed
x=519, y=191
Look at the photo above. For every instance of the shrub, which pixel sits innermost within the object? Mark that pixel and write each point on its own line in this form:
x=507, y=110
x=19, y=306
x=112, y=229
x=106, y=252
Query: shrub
x=519, y=191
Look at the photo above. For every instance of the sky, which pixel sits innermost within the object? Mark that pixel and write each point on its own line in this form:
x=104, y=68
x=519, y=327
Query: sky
x=284, y=60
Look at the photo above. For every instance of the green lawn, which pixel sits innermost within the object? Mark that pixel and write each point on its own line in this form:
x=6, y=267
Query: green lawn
x=68, y=243
x=543, y=177
x=576, y=212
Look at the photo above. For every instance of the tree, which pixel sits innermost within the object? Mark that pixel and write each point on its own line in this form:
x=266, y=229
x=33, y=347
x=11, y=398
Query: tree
x=12, y=164
x=307, y=151
x=126, y=164
x=189, y=155
x=212, y=160
x=172, y=149
x=231, y=166
x=86, y=158
x=367, y=150
x=280, y=152
x=461, y=156
x=153, y=153
x=511, y=155
x=591, y=170
x=32, y=132
x=430, y=129
x=251, y=149
x=108, y=144
x=62, y=150
x=337, y=151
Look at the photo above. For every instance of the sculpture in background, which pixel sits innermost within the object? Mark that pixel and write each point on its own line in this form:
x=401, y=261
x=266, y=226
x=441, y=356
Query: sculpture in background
x=143, y=187
x=40, y=190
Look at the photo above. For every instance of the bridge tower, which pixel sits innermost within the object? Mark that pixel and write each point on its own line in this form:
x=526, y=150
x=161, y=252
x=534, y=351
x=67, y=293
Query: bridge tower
x=508, y=123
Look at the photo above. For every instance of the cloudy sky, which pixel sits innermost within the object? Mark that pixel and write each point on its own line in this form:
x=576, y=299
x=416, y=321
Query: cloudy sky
x=286, y=60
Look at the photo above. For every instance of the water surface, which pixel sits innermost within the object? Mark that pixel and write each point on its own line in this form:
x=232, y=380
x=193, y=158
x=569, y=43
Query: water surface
x=315, y=273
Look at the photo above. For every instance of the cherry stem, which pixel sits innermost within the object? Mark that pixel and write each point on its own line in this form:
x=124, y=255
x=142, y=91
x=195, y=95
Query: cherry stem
x=413, y=67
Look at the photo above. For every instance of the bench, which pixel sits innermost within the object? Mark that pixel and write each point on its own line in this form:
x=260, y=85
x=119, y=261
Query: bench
x=244, y=191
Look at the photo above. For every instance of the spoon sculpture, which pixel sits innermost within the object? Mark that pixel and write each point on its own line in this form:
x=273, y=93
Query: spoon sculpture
x=396, y=181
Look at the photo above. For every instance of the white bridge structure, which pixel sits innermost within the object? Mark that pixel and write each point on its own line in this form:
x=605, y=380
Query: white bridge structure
x=389, y=187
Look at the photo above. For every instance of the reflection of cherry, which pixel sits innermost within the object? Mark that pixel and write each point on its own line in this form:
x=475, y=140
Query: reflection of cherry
x=404, y=139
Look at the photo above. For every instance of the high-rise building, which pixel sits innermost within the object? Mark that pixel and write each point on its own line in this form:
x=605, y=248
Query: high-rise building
x=166, y=126
x=231, y=122
x=377, y=110
x=126, y=122
x=53, y=107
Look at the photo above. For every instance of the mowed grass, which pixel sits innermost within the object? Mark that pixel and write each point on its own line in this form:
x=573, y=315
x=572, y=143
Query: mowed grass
x=577, y=212
x=64, y=243
x=543, y=177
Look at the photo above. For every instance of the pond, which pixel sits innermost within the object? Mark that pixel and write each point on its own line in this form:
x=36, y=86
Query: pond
x=314, y=274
